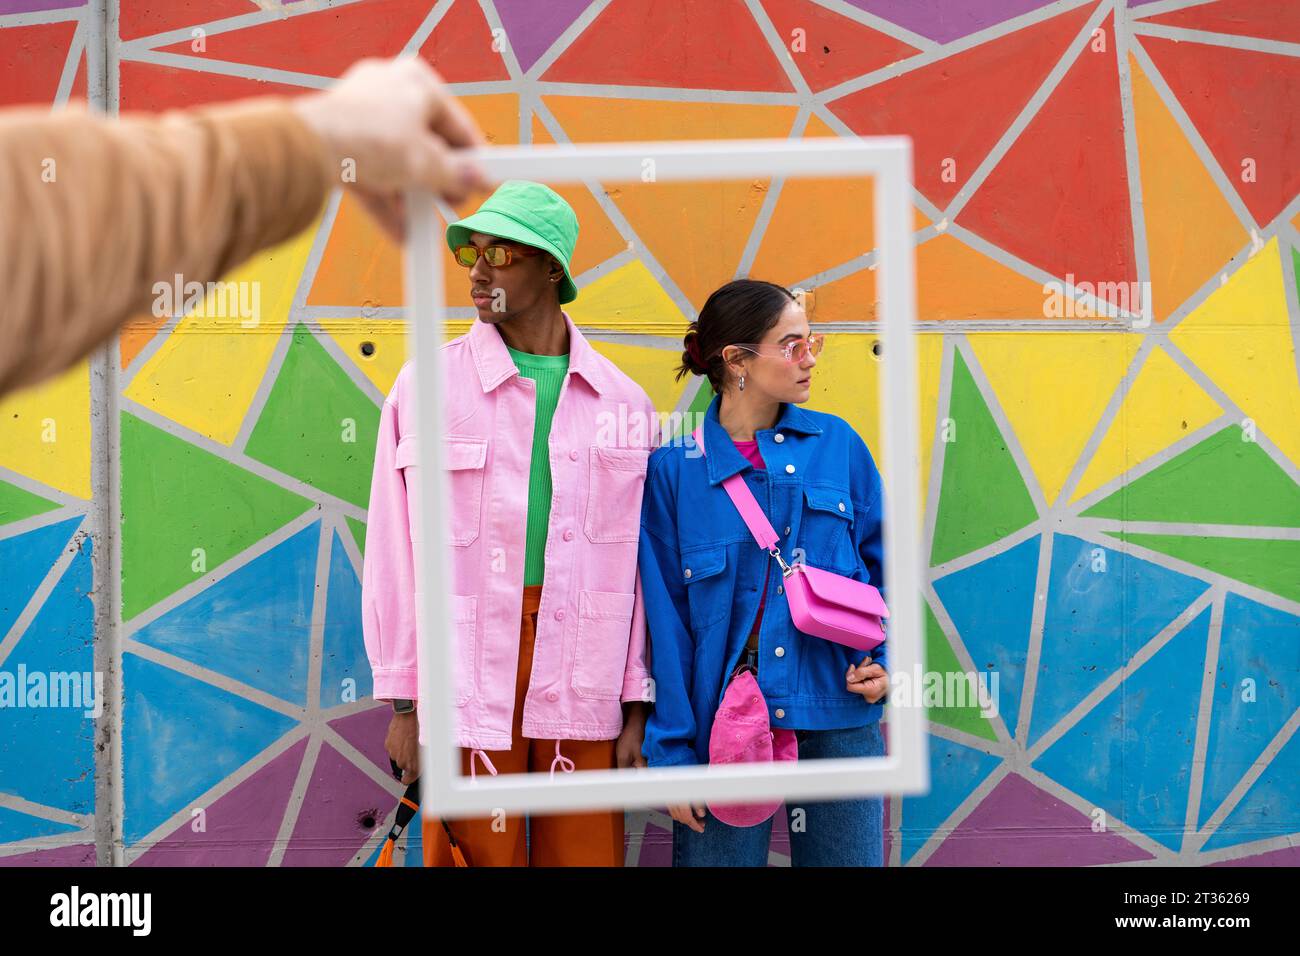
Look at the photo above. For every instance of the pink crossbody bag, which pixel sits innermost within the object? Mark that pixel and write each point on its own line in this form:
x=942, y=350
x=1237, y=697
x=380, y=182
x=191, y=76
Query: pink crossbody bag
x=822, y=603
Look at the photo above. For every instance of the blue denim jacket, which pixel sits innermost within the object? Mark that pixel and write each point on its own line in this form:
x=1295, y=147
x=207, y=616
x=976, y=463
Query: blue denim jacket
x=702, y=575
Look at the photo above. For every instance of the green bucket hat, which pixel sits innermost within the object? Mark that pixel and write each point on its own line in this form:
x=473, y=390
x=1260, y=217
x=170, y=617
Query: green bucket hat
x=526, y=212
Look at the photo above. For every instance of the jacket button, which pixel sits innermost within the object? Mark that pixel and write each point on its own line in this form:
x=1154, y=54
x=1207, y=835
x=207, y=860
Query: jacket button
x=559, y=615
x=789, y=469
x=841, y=506
x=780, y=589
x=778, y=438
x=552, y=695
x=779, y=713
x=573, y=454
x=568, y=535
x=688, y=572
x=780, y=652
x=787, y=529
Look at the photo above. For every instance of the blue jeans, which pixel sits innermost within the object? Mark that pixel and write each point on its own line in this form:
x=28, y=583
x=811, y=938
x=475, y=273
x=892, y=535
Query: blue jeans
x=822, y=833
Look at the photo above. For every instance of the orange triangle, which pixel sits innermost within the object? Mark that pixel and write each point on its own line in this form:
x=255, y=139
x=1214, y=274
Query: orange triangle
x=704, y=44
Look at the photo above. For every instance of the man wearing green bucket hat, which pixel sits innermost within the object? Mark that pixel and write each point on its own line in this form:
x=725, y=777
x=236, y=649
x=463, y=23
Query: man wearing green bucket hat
x=546, y=451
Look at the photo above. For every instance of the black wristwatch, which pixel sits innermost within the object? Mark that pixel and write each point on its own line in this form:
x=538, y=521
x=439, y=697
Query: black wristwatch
x=403, y=706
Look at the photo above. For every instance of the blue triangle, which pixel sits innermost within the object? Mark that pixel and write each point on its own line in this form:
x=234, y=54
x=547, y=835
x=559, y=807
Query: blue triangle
x=26, y=559
x=1102, y=607
x=1131, y=755
x=254, y=624
x=1258, y=644
x=181, y=737
x=992, y=606
x=1270, y=808
x=16, y=826
x=345, y=648
x=47, y=752
x=955, y=772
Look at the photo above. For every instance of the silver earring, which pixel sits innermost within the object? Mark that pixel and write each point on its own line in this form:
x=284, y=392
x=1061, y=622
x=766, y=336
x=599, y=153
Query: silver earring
x=742, y=383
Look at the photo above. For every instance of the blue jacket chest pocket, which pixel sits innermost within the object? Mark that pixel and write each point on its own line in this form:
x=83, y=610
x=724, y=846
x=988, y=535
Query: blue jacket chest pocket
x=708, y=589
x=826, y=535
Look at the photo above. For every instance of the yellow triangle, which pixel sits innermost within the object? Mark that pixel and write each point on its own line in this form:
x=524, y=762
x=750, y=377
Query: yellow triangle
x=387, y=346
x=45, y=431
x=206, y=373
x=1053, y=387
x=1162, y=406
x=628, y=299
x=1241, y=337
x=1191, y=231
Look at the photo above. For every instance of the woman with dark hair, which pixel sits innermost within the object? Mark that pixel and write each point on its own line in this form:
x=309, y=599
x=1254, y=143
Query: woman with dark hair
x=715, y=602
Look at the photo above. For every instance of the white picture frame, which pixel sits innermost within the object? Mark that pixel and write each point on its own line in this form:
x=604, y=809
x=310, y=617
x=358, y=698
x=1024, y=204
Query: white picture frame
x=444, y=791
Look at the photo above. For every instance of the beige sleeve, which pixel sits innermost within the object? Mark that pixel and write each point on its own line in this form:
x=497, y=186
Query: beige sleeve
x=94, y=211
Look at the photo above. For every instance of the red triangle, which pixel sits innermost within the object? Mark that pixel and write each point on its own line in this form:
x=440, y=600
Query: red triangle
x=957, y=108
x=1270, y=19
x=323, y=42
x=1059, y=198
x=147, y=86
x=460, y=47
x=831, y=48
x=145, y=19
x=1245, y=105
x=32, y=60
x=705, y=44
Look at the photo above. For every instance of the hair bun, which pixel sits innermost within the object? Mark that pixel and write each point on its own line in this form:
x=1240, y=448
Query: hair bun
x=692, y=353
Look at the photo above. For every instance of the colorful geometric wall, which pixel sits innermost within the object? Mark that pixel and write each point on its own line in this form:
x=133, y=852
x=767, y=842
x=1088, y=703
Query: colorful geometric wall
x=1107, y=228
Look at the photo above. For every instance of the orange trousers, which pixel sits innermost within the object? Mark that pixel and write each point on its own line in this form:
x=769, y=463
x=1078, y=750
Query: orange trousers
x=592, y=838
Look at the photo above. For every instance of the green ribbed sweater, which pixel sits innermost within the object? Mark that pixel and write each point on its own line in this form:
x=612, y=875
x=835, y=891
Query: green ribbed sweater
x=548, y=372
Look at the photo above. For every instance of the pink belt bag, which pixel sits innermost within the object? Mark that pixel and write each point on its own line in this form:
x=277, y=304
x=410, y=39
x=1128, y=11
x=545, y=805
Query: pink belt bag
x=822, y=603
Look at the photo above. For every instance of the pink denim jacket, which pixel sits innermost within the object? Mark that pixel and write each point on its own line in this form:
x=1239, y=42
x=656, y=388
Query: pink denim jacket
x=589, y=654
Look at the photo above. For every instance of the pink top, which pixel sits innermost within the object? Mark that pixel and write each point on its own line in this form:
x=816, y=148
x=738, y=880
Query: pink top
x=750, y=450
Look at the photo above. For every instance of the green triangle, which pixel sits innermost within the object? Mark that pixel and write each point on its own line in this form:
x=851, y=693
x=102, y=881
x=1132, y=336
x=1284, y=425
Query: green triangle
x=304, y=430
x=176, y=498
x=941, y=659
x=983, y=497
x=1268, y=563
x=358, y=534
x=1222, y=480
x=17, y=504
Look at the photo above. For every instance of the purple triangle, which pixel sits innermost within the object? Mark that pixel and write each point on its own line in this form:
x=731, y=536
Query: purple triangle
x=32, y=6
x=241, y=826
x=366, y=731
x=1021, y=825
x=1287, y=856
x=944, y=20
x=82, y=854
x=656, y=846
x=342, y=809
x=532, y=27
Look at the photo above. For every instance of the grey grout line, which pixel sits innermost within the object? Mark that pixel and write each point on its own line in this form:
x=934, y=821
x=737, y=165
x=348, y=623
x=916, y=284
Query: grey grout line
x=1211, y=285
x=15, y=529
x=297, y=797
x=221, y=788
x=1290, y=265
x=993, y=402
x=879, y=24
x=1165, y=6
x=952, y=634
x=319, y=604
x=59, y=497
x=1034, y=649
x=1053, y=734
x=565, y=39
x=213, y=678
x=1263, y=762
x=363, y=763
x=1204, y=714
x=1073, y=52
x=1194, y=138
x=227, y=24
x=49, y=582
x=1115, y=409
x=999, y=748
x=259, y=548
x=147, y=351
x=39, y=17
x=345, y=362
x=666, y=94
x=287, y=482
x=1195, y=529
x=351, y=547
x=1002, y=545
x=959, y=813
x=71, y=63
x=42, y=811
x=198, y=64
x=257, y=404
x=1141, y=253
x=961, y=45
x=426, y=28
x=1209, y=38
x=362, y=314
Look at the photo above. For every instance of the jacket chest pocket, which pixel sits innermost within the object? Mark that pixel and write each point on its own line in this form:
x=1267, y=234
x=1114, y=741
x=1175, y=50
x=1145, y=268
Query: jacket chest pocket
x=708, y=588
x=600, y=656
x=825, y=535
x=464, y=459
x=616, y=481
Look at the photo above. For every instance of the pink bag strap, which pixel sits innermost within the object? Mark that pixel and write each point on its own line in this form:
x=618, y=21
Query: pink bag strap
x=750, y=510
